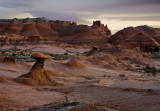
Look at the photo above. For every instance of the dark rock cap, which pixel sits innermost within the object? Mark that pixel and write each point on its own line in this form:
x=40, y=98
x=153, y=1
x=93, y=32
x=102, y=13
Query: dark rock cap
x=40, y=56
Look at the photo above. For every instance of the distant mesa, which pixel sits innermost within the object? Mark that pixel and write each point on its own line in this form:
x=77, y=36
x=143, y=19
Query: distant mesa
x=32, y=30
x=54, y=30
x=37, y=20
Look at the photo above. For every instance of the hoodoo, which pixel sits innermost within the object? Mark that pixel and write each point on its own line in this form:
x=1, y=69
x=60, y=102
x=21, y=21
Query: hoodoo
x=37, y=75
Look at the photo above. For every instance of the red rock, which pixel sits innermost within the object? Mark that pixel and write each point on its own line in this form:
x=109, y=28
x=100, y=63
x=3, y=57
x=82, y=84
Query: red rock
x=101, y=28
x=153, y=32
x=132, y=37
x=64, y=31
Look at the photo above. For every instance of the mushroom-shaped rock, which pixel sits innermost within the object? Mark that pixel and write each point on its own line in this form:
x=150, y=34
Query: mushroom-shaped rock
x=40, y=58
x=37, y=75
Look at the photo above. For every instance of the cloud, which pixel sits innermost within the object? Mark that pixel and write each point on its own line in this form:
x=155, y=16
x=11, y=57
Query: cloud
x=135, y=18
x=123, y=7
x=16, y=3
x=128, y=17
x=81, y=10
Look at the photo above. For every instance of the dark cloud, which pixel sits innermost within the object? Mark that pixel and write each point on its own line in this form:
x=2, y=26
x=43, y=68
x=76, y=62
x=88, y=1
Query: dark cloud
x=143, y=2
x=59, y=16
x=123, y=6
x=79, y=10
x=16, y=3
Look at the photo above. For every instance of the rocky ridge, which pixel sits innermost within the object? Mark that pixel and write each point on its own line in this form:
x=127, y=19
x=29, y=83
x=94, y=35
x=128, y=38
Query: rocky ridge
x=50, y=30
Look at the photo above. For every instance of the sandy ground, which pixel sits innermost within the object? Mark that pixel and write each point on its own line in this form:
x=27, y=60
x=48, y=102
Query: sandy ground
x=93, y=85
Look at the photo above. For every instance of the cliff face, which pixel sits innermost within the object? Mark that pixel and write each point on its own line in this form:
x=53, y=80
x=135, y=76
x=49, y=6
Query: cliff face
x=52, y=30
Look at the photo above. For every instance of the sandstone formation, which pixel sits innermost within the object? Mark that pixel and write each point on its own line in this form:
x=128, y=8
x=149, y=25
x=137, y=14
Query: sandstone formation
x=40, y=57
x=75, y=63
x=153, y=32
x=101, y=28
x=116, y=57
x=94, y=50
x=133, y=37
x=83, y=34
x=37, y=75
x=65, y=31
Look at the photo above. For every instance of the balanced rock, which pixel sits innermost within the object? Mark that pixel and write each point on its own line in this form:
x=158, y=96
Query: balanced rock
x=39, y=56
x=37, y=75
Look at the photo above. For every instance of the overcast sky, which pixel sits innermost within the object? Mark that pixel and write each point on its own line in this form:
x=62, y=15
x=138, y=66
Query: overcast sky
x=116, y=14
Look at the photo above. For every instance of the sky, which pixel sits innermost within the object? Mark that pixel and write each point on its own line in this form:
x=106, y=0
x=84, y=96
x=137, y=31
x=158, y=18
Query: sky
x=116, y=14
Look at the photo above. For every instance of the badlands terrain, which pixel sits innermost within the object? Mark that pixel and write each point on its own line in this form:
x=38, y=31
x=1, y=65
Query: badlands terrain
x=48, y=65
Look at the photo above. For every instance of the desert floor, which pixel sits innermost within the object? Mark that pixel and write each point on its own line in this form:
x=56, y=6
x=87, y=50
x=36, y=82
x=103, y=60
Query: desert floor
x=96, y=85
